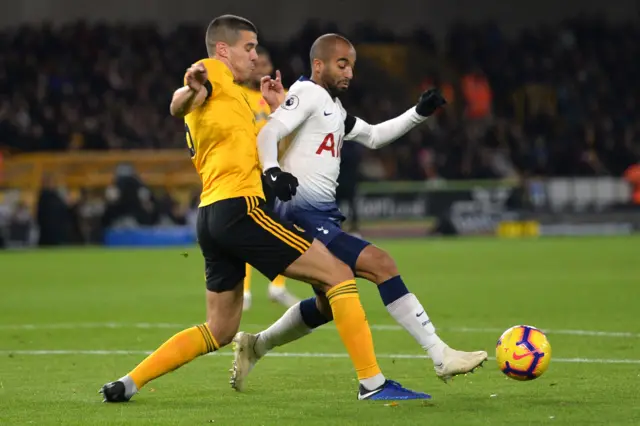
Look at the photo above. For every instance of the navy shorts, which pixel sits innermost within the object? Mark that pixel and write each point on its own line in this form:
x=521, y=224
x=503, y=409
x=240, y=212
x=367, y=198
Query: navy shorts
x=326, y=226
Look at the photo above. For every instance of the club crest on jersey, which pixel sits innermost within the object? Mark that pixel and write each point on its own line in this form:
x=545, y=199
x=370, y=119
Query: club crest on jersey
x=291, y=102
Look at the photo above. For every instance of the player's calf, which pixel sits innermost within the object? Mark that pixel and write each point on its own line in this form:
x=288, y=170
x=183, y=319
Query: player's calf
x=180, y=349
x=297, y=322
x=224, y=310
x=377, y=266
x=336, y=280
x=317, y=305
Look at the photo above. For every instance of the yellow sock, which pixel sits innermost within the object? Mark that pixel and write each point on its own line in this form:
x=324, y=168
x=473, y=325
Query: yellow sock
x=175, y=352
x=279, y=281
x=247, y=279
x=353, y=328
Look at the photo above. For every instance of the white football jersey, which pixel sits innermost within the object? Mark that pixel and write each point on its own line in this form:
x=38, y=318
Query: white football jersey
x=311, y=153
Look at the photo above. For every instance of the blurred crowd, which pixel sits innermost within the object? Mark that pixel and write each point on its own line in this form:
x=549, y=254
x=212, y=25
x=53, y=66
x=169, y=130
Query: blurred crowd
x=559, y=100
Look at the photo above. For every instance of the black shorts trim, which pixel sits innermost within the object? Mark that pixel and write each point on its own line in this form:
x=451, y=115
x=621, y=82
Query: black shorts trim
x=271, y=226
x=237, y=231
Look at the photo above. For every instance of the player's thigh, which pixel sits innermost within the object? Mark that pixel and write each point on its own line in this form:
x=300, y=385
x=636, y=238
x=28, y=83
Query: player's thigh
x=224, y=276
x=319, y=267
x=277, y=247
x=375, y=265
x=223, y=270
x=346, y=247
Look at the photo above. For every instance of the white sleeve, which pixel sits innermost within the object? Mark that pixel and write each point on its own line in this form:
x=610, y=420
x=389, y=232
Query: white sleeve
x=296, y=108
x=379, y=135
x=268, y=139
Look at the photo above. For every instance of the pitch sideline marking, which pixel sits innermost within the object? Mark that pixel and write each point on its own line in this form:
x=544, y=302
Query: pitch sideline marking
x=377, y=327
x=294, y=355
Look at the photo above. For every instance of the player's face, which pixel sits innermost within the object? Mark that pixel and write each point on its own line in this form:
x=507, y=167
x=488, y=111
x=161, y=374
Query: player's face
x=263, y=67
x=243, y=56
x=338, y=71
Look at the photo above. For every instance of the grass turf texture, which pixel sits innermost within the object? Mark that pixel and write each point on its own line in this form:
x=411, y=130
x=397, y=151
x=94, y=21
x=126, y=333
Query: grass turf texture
x=132, y=300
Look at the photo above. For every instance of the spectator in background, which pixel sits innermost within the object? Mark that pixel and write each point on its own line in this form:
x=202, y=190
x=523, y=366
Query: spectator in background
x=53, y=214
x=169, y=211
x=20, y=225
x=129, y=201
x=632, y=175
x=478, y=97
x=78, y=86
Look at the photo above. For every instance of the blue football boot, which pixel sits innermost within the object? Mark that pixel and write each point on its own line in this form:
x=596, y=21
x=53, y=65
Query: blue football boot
x=390, y=391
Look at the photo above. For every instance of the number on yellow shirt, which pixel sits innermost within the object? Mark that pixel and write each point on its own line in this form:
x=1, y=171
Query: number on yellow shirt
x=190, y=145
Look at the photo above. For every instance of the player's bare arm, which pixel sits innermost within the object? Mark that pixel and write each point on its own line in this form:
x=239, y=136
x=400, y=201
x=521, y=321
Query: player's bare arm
x=193, y=94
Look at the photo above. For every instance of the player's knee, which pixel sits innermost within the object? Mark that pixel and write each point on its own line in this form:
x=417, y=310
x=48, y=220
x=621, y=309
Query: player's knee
x=340, y=272
x=223, y=334
x=381, y=264
x=332, y=271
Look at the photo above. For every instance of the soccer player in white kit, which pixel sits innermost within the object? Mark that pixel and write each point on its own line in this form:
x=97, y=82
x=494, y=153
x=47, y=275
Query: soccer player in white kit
x=303, y=173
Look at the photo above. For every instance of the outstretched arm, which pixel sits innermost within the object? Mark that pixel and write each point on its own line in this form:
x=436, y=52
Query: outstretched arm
x=379, y=135
x=376, y=136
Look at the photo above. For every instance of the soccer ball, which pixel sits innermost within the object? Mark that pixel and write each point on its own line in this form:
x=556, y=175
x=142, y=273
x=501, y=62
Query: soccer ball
x=523, y=352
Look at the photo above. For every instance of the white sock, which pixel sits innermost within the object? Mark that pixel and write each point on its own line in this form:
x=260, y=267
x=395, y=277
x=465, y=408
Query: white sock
x=289, y=327
x=374, y=382
x=130, y=387
x=410, y=314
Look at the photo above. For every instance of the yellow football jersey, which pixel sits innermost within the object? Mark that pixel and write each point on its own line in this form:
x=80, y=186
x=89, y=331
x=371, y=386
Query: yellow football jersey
x=259, y=106
x=221, y=137
x=261, y=112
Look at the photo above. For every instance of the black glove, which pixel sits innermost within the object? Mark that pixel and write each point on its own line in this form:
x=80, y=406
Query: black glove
x=282, y=183
x=430, y=101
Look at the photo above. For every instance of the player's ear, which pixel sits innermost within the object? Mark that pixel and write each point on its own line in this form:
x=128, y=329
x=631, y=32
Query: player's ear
x=317, y=65
x=222, y=49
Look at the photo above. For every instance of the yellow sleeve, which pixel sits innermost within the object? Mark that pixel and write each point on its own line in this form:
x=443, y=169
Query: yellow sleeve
x=210, y=74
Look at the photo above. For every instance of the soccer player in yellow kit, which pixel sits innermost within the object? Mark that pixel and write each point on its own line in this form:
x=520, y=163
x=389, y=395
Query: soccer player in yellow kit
x=235, y=227
x=277, y=290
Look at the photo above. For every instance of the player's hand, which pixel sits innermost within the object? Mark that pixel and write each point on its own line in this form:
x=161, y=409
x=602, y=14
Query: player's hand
x=282, y=183
x=196, y=76
x=272, y=90
x=430, y=101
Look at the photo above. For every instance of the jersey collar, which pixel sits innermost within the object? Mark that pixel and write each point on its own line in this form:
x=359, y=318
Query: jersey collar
x=305, y=78
x=222, y=67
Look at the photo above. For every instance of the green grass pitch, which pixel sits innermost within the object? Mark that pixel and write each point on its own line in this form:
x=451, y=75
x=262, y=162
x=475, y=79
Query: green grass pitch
x=73, y=319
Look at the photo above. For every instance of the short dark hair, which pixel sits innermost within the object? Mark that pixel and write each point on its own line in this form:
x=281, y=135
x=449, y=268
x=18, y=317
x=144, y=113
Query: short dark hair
x=225, y=28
